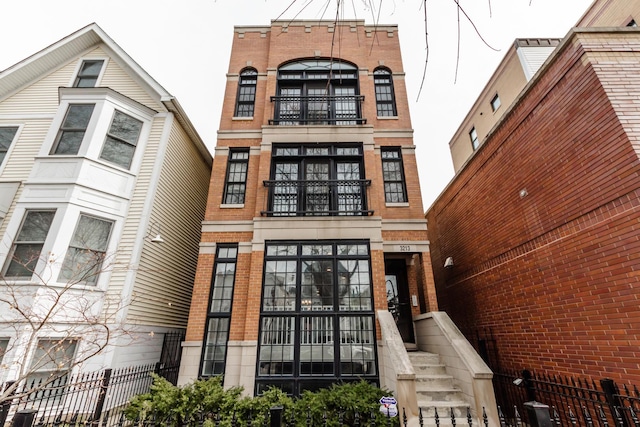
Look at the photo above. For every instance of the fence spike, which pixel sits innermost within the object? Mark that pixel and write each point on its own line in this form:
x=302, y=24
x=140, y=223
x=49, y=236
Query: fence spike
x=404, y=417
x=437, y=418
x=635, y=391
x=309, y=416
x=250, y=420
x=234, y=420
x=603, y=416
x=373, y=418
x=634, y=417
x=469, y=419
x=618, y=416
x=516, y=415
x=420, y=417
x=503, y=422
x=453, y=417
x=556, y=416
x=587, y=416
x=324, y=418
x=485, y=419
x=356, y=418
x=572, y=417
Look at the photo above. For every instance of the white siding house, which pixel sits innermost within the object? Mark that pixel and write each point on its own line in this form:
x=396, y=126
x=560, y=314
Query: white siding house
x=96, y=160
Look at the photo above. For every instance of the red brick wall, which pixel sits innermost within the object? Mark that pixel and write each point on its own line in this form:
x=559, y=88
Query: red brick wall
x=553, y=274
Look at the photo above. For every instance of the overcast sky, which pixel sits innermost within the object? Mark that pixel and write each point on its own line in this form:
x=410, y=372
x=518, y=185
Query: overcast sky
x=185, y=45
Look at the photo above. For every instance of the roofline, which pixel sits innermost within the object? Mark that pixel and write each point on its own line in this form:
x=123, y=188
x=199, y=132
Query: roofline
x=77, y=43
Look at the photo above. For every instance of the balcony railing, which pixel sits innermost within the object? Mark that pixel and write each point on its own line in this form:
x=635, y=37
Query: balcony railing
x=317, y=198
x=318, y=110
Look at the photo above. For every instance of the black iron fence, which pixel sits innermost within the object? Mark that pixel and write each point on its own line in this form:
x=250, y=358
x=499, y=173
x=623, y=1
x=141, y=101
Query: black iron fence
x=95, y=398
x=329, y=197
x=571, y=401
x=318, y=110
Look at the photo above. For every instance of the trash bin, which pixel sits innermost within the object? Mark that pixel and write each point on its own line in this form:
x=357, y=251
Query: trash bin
x=24, y=418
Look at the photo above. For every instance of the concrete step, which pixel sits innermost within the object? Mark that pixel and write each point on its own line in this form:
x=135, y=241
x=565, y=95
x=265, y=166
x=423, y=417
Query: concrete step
x=434, y=382
x=440, y=395
x=429, y=369
x=424, y=358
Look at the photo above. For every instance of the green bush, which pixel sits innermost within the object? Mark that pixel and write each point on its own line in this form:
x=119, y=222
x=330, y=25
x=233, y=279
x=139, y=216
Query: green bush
x=207, y=401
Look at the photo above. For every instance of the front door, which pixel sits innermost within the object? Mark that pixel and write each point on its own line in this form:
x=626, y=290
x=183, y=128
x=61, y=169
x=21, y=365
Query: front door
x=398, y=297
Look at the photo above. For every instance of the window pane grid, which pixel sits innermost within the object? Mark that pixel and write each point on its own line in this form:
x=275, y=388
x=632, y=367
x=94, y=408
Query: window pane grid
x=217, y=327
x=236, y=179
x=332, y=182
x=393, y=176
x=385, y=99
x=330, y=333
x=245, y=100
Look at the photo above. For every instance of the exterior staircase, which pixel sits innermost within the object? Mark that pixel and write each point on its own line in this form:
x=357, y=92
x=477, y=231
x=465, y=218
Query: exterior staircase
x=436, y=391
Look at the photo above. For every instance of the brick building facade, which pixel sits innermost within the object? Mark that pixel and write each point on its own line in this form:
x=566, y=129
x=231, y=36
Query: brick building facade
x=314, y=218
x=543, y=222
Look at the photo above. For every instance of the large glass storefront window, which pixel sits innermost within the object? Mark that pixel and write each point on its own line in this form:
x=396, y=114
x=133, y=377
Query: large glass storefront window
x=317, y=325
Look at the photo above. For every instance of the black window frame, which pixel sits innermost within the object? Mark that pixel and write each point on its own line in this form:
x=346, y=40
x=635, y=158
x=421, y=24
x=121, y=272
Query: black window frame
x=393, y=156
x=219, y=313
x=495, y=102
x=299, y=104
x=338, y=320
x=473, y=136
x=343, y=197
x=246, y=95
x=235, y=183
x=385, y=92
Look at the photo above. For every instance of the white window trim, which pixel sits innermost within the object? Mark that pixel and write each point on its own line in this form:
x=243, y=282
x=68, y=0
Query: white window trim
x=90, y=58
x=13, y=144
x=106, y=101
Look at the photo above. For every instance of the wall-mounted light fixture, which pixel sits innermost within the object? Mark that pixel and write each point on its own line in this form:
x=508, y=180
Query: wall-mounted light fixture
x=448, y=263
x=154, y=233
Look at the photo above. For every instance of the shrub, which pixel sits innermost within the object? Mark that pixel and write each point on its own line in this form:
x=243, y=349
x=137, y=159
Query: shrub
x=207, y=402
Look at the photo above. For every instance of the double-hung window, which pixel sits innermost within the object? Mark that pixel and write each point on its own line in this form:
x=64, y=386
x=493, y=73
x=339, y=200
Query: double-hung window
x=73, y=129
x=89, y=73
x=27, y=247
x=393, y=175
x=473, y=136
x=245, y=101
x=236, y=180
x=7, y=134
x=385, y=97
x=87, y=250
x=122, y=138
x=219, y=316
x=50, y=367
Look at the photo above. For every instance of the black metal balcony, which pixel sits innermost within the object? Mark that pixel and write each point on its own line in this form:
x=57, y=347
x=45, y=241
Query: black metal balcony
x=318, y=110
x=317, y=198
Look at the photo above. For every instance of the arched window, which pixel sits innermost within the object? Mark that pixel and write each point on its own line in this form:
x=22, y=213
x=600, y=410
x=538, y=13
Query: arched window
x=318, y=92
x=246, y=98
x=385, y=98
